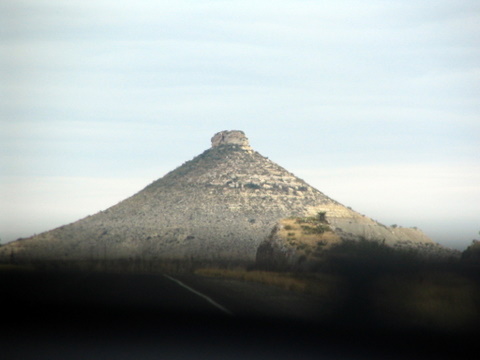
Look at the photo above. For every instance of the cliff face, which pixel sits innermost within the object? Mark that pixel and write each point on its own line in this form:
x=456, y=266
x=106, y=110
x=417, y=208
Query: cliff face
x=220, y=205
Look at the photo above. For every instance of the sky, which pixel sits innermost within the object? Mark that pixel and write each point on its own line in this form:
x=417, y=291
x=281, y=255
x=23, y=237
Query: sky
x=374, y=103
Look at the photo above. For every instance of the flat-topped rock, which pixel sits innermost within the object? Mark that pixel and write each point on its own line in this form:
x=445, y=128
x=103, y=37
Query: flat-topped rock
x=231, y=137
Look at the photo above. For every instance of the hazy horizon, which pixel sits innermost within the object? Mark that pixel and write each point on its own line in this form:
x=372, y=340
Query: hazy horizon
x=374, y=103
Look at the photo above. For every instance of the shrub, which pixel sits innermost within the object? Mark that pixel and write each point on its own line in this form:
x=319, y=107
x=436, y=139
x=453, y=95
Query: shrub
x=301, y=246
x=318, y=229
x=252, y=186
x=306, y=229
x=285, y=281
x=322, y=216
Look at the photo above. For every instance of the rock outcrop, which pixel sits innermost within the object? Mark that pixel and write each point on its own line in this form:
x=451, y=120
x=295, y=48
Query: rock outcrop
x=305, y=242
x=233, y=137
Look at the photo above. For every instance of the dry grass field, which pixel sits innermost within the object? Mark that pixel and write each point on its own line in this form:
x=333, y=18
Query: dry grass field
x=432, y=300
x=318, y=284
x=309, y=236
x=438, y=300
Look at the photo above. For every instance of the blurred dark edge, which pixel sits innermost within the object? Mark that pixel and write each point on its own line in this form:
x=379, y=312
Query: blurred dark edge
x=38, y=324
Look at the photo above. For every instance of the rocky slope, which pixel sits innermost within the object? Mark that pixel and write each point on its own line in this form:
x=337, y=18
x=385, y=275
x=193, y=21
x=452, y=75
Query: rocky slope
x=220, y=205
x=305, y=242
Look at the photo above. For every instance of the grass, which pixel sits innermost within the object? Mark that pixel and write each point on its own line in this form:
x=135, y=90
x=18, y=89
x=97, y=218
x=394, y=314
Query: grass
x=309, y=236
x=318, y=284
x=435, y=300
x=283, y=281
x=15, y=268
x=306, y=234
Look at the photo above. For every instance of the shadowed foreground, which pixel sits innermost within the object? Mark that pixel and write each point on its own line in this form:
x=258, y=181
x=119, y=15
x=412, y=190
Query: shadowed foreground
x=86, y=315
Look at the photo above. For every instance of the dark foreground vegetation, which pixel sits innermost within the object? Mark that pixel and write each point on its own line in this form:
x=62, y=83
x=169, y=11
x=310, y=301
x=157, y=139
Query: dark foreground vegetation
x=373, y=302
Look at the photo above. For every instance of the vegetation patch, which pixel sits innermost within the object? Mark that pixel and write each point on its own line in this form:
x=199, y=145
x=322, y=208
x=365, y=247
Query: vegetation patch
x=15, y=268
x=252, y=186
x=438, y=300
x=310, y=236
x=319, y=284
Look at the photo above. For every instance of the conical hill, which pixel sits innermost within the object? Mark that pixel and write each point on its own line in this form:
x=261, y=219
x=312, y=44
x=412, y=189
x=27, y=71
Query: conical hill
x=220, y=205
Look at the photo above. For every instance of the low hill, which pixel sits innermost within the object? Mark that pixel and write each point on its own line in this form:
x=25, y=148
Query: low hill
x=307, y=242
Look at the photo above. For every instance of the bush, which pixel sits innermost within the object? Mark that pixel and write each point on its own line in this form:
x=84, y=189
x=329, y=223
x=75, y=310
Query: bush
x=318, y=229
x=322, y=216
x=252, y=186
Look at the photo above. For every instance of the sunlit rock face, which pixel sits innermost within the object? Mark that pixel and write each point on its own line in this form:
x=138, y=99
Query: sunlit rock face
x=233, y=137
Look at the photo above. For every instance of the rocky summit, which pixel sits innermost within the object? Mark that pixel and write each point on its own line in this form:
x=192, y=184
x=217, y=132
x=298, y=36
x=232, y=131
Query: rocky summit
x=220, y=205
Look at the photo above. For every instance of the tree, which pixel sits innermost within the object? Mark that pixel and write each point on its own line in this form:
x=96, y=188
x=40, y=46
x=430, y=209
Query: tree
x=322, y=216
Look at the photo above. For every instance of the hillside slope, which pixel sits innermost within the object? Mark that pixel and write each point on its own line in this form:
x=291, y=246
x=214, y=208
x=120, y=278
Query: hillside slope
x=220, y=205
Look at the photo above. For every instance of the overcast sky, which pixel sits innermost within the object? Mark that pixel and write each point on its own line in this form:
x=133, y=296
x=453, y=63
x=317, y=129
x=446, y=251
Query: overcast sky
x=374, y=103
